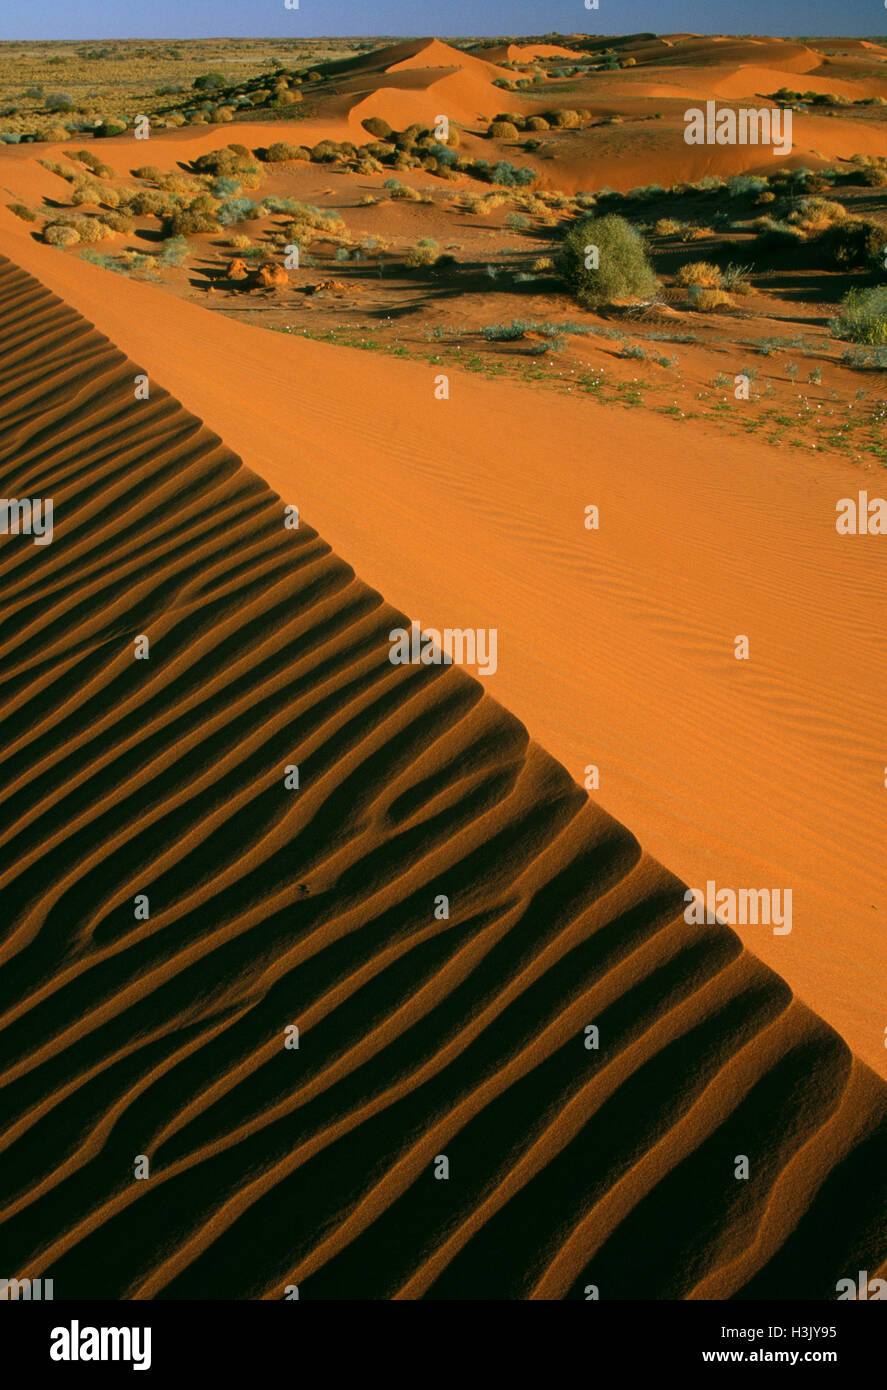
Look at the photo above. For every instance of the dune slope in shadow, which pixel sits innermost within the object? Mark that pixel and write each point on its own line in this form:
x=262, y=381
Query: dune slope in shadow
x=172, y=909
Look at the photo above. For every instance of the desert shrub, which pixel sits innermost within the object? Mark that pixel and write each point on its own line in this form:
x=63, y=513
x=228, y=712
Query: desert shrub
x=666, y=226
x=538, y=123
x=401, y=191
x=379, y=149
x=64, y=171
x=173, y=251
x=224, y=187
x=774, y=235
x=862, y=316
x=60, y=234
x=148, y=172
x=184, y=220
x=742, y=185
x=874, y=177
x=623, y=269
x=706, y=299
x=709, y=183
x=151, y=202
x=375, y=125
x=504, y=172
x=251, y=178
x=813, y=211
x=237, y=210
x=506, y=332
x=88, y=190
x=699, y=273
x=543, y=263
x=563, y=117
x=107, y=129
x=326, y=152
x=119, y=222
x=502, y=130
x=232, y=161
x=735, y=278
x=517, y=222
x=285, y=205
x=92, y=161
x=425, y=252
x=22, y=211
x=59, y=101
x=51, y=133
x=282, y=150
x=854, y=243
x=92, y=229
x=445, y=156
x=209, y=81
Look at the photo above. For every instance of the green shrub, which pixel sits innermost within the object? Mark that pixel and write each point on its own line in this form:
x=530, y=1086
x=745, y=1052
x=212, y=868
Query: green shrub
x=60, y=234
x=281, y=151
x=502, y=130
x=854, y=243
x=173, y=251
x=563, y=117
x=93, y=229
x=209, y=81
x=22, y=211
x=701, y=273
x=425, y=252
x=376, y=126
x=119, y=222
x=92, y=161
x=235, y=161
x=623, y=270
x=862, y=316
x=326, y=152
x=150, y=202
x=198, y=217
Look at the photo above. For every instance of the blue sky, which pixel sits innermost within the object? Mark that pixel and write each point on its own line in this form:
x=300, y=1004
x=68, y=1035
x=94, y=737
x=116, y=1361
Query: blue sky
x=97, y=19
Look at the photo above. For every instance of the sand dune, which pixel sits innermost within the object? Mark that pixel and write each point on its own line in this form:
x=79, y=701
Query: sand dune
x=615, y=648
x=420, y=1036
x=526, y=52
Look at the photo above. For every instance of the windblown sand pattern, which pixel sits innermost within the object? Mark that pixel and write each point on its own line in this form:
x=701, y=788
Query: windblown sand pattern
x=419, y=1037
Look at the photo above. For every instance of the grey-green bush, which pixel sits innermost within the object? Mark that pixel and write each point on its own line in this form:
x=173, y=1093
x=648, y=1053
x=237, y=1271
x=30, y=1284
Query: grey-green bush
x=623, y=270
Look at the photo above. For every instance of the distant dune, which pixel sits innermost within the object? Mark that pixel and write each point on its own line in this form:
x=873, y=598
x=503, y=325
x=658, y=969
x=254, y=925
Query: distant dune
x=420, y=1037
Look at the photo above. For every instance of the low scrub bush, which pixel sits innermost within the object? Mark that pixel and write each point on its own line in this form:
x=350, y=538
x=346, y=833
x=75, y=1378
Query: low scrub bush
x=862, y=316
x=622, y=269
